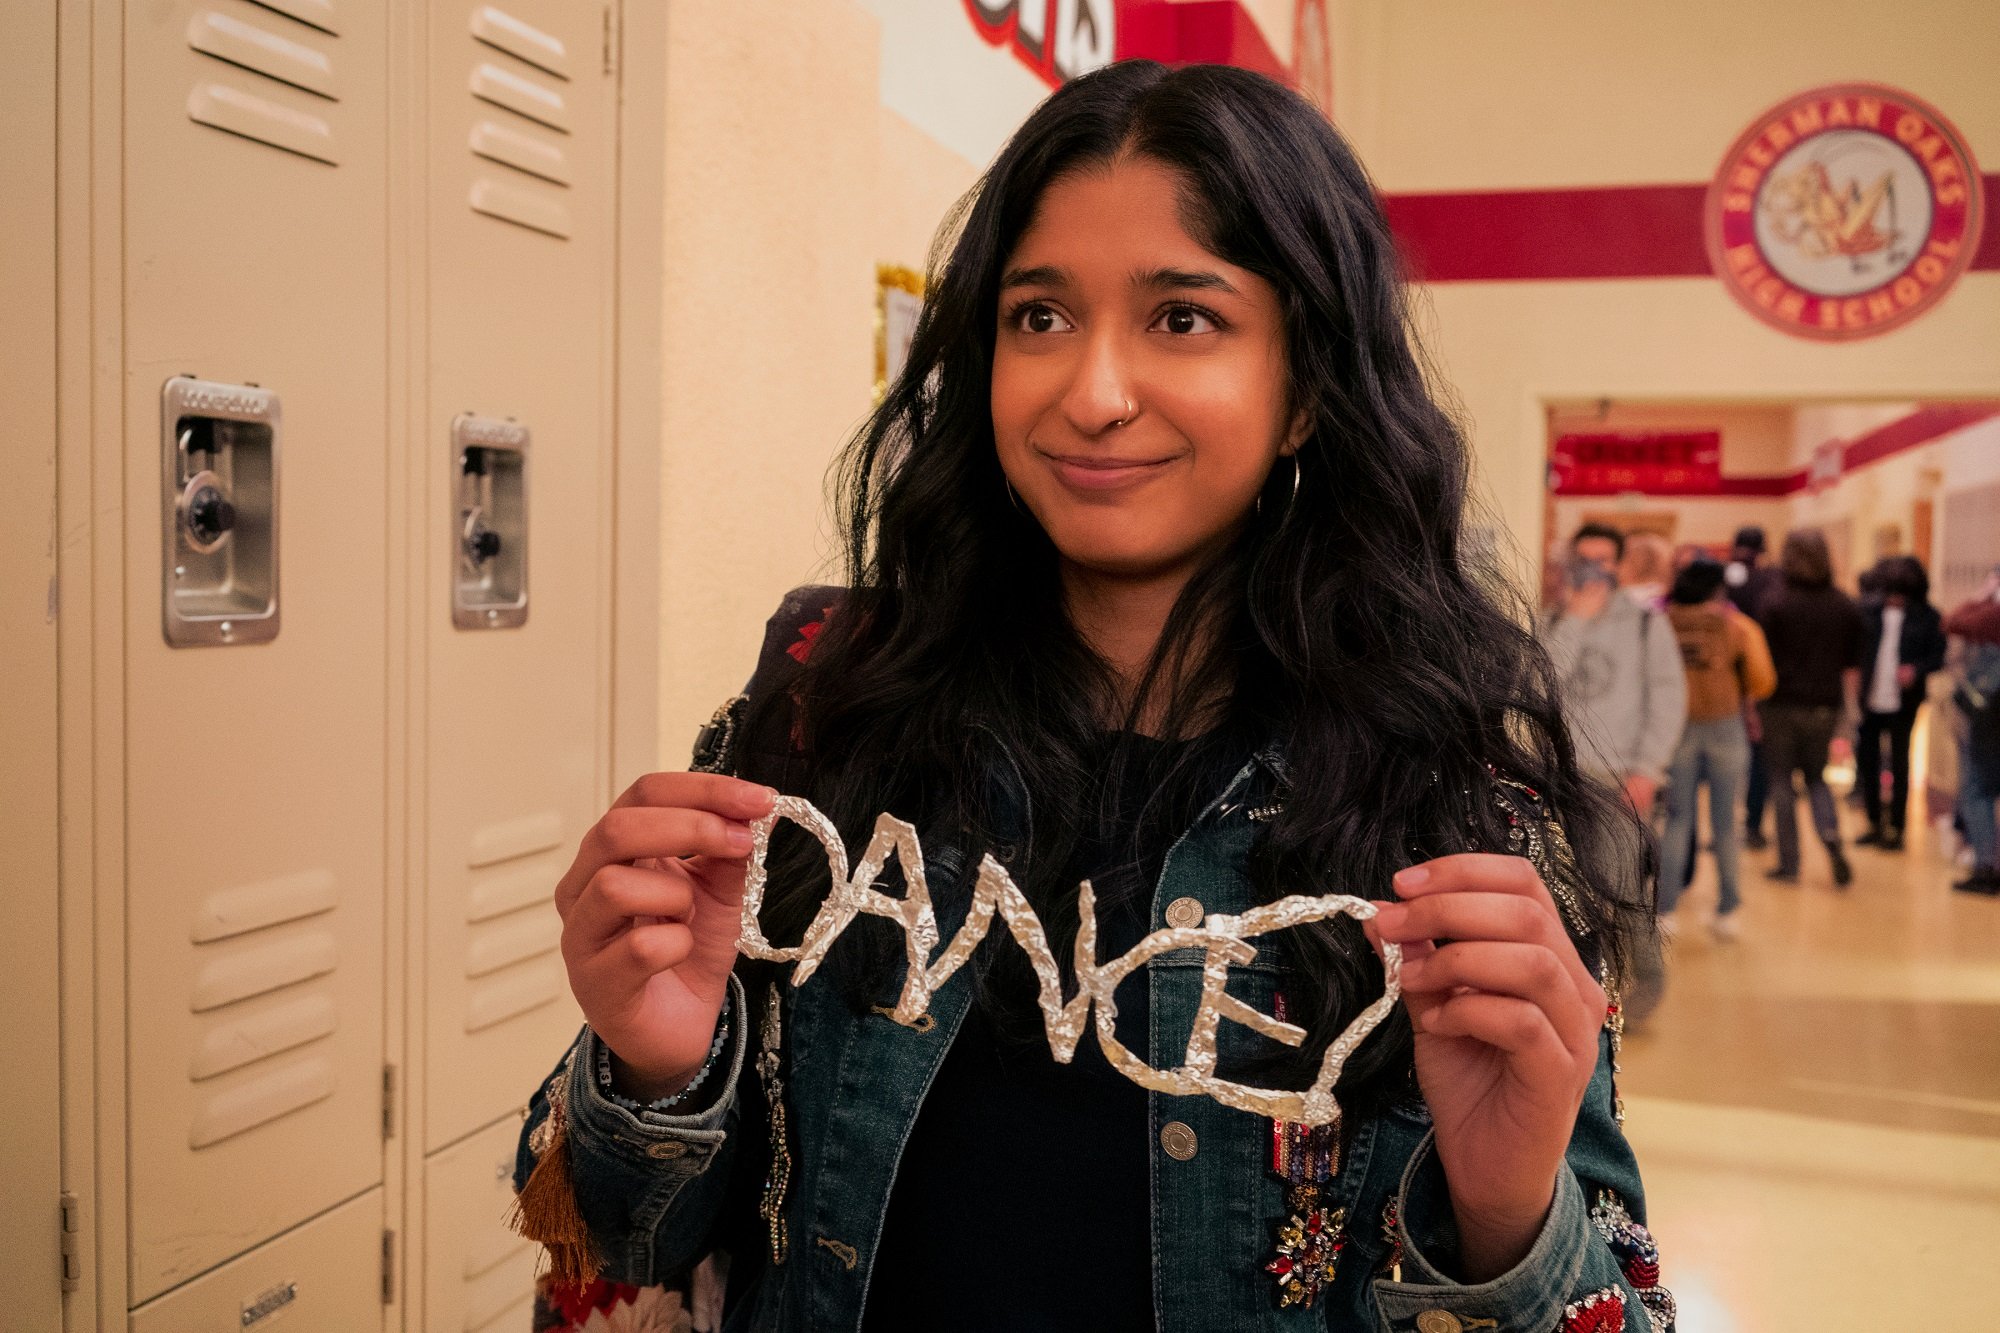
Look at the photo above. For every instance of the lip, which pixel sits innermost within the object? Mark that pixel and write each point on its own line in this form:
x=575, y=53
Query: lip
x=1093, y=472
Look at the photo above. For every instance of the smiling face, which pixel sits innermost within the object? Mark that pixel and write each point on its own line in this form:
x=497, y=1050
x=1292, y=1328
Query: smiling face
x=1138, y=380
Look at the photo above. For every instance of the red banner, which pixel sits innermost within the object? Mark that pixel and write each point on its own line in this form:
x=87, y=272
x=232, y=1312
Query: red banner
x=1666, y=463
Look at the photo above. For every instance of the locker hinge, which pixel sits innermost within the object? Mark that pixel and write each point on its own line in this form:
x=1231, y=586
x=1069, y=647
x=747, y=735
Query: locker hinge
x=388, y=1101
x=72, y=1241
x=388, y=1267
x=611, y=39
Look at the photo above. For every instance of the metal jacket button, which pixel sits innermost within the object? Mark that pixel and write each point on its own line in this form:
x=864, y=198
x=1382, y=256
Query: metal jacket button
x=1184, y=913
x=1178, y=1140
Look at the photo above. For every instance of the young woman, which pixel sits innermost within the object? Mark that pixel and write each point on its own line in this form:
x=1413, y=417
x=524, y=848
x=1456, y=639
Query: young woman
x=1155, y=578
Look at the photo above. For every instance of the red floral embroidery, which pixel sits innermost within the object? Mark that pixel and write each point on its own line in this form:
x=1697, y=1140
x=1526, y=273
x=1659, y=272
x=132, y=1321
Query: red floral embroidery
x=576, y=1302
x=801, y=650
x=1600, y=1312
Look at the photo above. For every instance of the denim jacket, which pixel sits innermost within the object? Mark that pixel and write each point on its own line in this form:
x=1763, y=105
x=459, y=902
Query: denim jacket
x=659, y=1191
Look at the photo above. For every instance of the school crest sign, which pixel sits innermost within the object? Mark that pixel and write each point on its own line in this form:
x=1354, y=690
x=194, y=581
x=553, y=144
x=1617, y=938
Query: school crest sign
x=1844, y=212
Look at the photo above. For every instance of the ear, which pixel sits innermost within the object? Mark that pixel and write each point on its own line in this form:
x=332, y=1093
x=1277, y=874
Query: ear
x=1300, y=432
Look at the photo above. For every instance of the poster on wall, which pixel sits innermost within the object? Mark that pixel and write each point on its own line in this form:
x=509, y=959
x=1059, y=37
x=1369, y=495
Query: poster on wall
x=1650, y=463
x=899, y=299
x=1844, y=212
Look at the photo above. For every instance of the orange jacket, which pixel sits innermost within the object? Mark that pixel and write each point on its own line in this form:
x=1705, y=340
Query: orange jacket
x=1726, y=658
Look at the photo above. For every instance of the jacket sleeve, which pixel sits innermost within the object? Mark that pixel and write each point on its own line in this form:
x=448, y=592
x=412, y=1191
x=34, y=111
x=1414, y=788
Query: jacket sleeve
x=1760, y=676
x=654, y=1190
x=1666, y=700
x=1978, y=620
x=649, y=1187
x=1927, y=653
x=1593, y=1251
x=1593, y=1255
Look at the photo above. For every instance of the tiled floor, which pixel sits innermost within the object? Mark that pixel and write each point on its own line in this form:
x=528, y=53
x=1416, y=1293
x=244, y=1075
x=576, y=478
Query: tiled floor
x=1816, y=1107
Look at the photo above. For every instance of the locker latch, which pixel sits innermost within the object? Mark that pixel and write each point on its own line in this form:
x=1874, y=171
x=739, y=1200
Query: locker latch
x=219, y=580
x=489, y=580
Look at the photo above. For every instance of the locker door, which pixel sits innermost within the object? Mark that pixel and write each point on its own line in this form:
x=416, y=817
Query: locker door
x=479, y=1275
x=325, y=1277
x=519, y=246
x=256, y=253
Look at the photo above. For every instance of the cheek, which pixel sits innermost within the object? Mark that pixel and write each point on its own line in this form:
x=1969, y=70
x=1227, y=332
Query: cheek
x=1020, y=395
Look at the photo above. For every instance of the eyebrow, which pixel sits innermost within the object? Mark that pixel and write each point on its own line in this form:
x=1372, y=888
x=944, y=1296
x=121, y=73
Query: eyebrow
x=1157, y=279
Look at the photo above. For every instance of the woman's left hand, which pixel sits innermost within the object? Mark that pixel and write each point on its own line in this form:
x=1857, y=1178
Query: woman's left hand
x=1506, y=1018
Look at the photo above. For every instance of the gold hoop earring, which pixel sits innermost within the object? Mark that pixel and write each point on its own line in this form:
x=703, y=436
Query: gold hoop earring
x=1290, y=500
x=1016, y=499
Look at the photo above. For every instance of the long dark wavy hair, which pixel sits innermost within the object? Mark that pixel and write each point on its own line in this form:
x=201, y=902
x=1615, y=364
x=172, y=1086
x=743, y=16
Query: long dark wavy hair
x=1355, y=624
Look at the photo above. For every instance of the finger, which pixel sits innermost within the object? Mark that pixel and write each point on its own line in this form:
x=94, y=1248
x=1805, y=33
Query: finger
x=1503, y=1022
x=617, y=897
x=1468, y=915
x=631, y=833
x=718, y=793
x=1520, y=971
x=644, y=952
x=1487, y=872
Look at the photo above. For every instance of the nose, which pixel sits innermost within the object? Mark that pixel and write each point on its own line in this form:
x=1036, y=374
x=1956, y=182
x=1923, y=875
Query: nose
x=1100, y=396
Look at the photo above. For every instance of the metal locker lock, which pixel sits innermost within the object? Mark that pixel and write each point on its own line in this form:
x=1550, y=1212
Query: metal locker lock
x=219, y=578
x=489, y=582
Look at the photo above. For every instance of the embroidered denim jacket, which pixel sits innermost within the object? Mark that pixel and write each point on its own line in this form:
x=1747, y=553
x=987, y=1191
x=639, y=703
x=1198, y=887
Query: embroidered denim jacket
x=660, y=1191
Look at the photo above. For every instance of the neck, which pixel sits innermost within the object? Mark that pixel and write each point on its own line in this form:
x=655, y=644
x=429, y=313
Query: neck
x=1122, y=617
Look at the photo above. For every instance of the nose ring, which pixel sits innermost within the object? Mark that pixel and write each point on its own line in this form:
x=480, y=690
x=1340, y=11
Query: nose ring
x=1130, y=411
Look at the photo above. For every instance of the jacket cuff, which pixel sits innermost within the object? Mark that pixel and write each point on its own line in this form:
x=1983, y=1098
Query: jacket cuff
x=1565, y=1265
x=673, y=1146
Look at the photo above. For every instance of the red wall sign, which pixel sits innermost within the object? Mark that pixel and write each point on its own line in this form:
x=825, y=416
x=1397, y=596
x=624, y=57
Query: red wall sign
x=1665, y=463
x=1060, y=39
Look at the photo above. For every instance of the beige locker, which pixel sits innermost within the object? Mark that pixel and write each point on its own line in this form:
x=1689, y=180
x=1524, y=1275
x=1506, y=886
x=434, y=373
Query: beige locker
x=518, y=248
x=479, y=1276
x=314, y=251
x=305, y=1281
x=256, y=252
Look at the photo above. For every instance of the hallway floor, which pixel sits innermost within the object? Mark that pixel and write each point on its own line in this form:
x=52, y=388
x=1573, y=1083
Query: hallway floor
x=1816, y=1106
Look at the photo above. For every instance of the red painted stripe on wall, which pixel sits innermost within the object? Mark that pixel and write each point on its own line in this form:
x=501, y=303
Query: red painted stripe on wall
x=1615, y=231
x=1920, y=427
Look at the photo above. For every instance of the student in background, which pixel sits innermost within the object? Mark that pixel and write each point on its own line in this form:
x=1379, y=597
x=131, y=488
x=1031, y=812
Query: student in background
x=1816, y=636
x=1751, y=583
x=1904, y=644
x=1728, y=665
x=1646, y=569
x=1749, y=580
x=1623, y=691
x=1977, y=699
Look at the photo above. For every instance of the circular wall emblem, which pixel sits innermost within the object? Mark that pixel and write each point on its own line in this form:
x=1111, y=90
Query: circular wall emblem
x=1844, y=212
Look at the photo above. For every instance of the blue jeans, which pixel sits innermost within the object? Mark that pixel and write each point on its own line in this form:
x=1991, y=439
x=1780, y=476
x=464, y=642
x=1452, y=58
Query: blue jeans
x=1717, y=753
x=1978, y=789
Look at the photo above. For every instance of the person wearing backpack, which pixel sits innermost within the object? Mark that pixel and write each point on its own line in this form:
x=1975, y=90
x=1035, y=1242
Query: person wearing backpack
x=1624, y=693
x=1977, y=697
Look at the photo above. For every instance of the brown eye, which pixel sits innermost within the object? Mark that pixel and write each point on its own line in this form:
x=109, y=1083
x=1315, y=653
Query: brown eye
x=1185, y=319
x=1037, y=318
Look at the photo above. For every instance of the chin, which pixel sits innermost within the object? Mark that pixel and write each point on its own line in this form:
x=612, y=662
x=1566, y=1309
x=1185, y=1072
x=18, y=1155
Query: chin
x=1119, y=553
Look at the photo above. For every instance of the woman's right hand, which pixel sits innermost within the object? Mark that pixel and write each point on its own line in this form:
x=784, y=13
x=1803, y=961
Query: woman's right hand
x=651, y=909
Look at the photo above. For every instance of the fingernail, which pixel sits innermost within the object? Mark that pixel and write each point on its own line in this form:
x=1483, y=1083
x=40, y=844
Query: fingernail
x=739, y=840
x=1389, y=916
x=1413, y=878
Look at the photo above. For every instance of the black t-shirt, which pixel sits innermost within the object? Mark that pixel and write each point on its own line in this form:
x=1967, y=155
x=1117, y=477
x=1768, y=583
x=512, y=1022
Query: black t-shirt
x=1815, y=633
x=1022, y=1200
